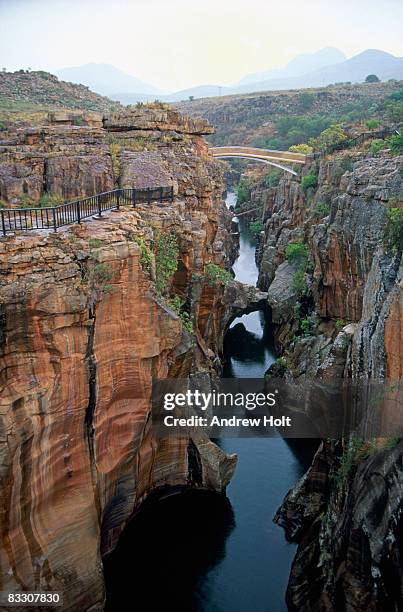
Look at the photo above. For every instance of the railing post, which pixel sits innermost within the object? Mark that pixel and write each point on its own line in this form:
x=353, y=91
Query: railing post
x=161, y=193
x=54, y=219
x=118, y=199
x=99, y=206
x=148, y=195
x=3, y=224
x=172, y=193
x=78, y=212
x=134, y=197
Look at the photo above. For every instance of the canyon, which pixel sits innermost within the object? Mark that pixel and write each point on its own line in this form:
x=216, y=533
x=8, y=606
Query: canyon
x=84, y=331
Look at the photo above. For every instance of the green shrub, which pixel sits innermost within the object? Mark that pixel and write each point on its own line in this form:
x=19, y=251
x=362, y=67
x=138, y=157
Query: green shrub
x=95, y=243
x=397, y=95
x=243, y=191
x=3, y=204
x=306, y=99
x=166, y=261
x=146, y=255
x=346, y=164
x=309, y=181
x=395, y=111
x=304, y=148
x=299, y=283
x=25, y=201
x=2, y=126
x=331, y=136
x=176, y=305
x=372, y=124
x=396, y=144
x=391, y=443
x=305, y=326
x=322, y=209
x=272, y=178
x=393, y=237
x=256, y=226
x=98, y=275
x=282, y=362
x=340, y=324
x=78, y=121
x=355, y=450
x=377, y=145
x=48, y=201
x=215, y=274
x=297, y=253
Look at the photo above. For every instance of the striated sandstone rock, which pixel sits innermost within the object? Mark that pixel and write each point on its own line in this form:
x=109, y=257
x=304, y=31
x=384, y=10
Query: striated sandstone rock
x=78, y=353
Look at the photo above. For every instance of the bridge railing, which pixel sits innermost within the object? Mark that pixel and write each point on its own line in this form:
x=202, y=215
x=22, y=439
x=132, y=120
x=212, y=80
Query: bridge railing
x=53, y=217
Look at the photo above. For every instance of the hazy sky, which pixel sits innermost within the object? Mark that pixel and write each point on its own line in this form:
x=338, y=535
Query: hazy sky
x=175, y=44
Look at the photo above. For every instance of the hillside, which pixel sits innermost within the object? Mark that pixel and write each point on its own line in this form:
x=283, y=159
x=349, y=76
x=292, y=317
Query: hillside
x=37, y=91
x=264, y=119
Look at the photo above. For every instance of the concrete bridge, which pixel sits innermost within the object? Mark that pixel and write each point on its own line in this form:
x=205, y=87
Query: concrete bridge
x=262, y=155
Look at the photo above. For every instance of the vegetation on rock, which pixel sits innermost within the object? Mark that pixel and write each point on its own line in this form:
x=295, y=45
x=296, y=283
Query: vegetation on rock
x=216, y=274
x=166, y=260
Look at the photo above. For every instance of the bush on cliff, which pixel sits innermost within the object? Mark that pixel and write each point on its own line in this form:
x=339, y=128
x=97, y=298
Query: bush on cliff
x=215, y=274
x=377, y=145
x=166, y=261
x=306, y=100
x=396, y=144
x=309, y=181
x=298, y=255
x=304, y=148
x=393, y=237
x=272, y=178
x=243, y=191
x=330, y=137
x=176, y=305
x=395, y=111
x=256, y=226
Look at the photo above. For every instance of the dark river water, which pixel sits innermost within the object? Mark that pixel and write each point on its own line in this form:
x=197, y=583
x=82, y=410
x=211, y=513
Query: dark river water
x=203, y=552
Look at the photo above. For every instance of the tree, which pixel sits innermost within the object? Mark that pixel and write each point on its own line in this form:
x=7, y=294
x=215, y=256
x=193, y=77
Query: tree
x=396, y=144
x=191, y=98
x=372, y=78
x=332, y=136
x=301, y=148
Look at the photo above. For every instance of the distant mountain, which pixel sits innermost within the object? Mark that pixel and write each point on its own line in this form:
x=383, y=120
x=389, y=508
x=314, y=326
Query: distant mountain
x=308, y=70
x=302, y=64
x=355, y=69
x=105, y=79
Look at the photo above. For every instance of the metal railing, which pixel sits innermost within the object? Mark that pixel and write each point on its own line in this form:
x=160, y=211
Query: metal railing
x=53, y=217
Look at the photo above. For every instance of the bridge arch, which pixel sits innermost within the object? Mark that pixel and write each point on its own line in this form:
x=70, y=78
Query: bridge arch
x=266, y=156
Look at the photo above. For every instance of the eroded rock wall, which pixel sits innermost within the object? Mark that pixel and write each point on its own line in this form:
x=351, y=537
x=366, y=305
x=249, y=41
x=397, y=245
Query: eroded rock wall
x=83, y=333
x=346, y=513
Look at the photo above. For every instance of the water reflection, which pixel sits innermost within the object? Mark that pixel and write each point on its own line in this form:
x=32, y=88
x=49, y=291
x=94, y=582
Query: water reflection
x=165, y=553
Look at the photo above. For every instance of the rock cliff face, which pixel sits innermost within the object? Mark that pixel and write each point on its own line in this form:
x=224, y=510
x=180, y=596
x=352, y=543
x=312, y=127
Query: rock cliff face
x=82, y=335
x=346, y=511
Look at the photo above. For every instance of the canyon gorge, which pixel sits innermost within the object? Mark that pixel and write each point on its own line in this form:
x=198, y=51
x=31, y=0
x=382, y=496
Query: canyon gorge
x=90, y=315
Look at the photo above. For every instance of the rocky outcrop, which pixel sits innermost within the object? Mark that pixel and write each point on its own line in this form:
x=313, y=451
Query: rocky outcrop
x=156, y=117
x=82, y=336
x=349, y=531
x=343, y=322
